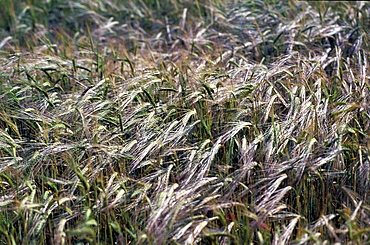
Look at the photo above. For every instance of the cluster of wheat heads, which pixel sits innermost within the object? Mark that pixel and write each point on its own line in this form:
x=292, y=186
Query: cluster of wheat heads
x=184, y=122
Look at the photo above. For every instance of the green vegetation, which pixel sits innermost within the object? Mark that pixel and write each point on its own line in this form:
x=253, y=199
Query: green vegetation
x=184, y=122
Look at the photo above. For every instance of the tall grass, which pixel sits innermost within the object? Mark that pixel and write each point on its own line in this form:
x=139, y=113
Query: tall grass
x=184, y=122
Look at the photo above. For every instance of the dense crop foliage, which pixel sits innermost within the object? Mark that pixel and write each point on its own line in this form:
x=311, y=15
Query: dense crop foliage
x=184, y=122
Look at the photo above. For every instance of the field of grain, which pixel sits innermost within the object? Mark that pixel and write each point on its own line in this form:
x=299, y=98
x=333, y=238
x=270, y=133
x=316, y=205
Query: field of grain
x=184, y=122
